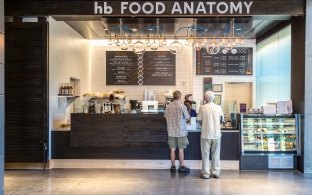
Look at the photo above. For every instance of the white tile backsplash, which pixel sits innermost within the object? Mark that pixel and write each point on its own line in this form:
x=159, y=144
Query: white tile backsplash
x=98, y=74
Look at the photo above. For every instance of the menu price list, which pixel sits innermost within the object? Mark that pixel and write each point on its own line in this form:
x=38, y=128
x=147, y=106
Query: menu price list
x=151, y=68
x=237, y=61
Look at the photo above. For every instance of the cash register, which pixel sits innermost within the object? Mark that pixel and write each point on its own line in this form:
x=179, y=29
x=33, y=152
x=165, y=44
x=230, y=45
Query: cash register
x=149, y=106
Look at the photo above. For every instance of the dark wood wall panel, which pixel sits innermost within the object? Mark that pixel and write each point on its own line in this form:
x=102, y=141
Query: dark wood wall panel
x=298, y=75
x=118, y=130
x=26, y=91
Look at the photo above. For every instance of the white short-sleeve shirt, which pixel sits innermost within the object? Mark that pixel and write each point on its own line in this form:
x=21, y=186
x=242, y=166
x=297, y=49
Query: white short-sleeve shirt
x=210, y=115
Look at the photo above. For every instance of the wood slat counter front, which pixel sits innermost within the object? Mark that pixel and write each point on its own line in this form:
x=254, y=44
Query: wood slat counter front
x=127, y=136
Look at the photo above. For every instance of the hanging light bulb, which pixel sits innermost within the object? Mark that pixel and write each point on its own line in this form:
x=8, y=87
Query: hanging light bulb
x=229, y=45
x=213, y=43
x=213, y=47
x=237, y=39
x=233, y=43
x=160, y=41
x=110, y=41
x=223, y=41
x=197, y=45
x=129, y=41
x=164, y=41
x=124, y=46
x=187, y=42
x=139, y=47
x=154, y=46
x=116, y=41
x=242, y=41
x=147, y=41
x=176, y=47
x=205, y=42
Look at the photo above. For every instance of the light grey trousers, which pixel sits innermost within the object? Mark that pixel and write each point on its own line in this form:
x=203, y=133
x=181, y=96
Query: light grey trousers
x=214, y=145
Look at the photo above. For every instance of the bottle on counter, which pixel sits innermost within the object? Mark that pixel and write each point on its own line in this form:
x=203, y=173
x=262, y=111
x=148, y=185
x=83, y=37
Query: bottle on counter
x=66, y=89
x=60, y=89
x=70, y=89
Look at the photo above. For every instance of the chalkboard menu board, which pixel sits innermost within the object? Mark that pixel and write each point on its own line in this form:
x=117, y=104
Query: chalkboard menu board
x=150, y=68
x=238, y=61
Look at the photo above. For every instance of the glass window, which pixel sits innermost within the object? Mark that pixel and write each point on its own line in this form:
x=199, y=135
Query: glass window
x=273, y=68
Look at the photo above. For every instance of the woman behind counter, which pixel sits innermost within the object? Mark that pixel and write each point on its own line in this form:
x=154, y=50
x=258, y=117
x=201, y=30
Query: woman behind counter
x=188, y=105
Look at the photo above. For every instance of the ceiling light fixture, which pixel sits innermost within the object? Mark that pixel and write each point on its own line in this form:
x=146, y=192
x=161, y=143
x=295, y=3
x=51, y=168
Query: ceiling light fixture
x=153, y=37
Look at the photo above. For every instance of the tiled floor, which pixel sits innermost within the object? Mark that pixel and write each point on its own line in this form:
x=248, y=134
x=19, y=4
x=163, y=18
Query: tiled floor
x=160, y=181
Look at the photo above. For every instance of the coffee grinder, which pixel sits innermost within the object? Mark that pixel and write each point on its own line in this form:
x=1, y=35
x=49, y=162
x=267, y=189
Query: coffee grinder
x=134, y=105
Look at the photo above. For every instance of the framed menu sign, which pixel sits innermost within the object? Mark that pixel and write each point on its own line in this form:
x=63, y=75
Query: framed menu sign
x=237, y=61
x=150, y=68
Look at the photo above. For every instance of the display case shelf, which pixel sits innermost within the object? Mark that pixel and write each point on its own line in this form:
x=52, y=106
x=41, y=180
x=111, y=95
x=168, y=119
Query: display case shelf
x=269, y=133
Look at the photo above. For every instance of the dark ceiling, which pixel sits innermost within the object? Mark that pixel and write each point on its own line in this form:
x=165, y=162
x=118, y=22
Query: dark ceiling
x=93, y=27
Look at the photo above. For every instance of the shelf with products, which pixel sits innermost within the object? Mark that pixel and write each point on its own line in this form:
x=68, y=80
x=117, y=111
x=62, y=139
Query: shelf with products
x=66, y=100
x=271, y=133
x=271, y=124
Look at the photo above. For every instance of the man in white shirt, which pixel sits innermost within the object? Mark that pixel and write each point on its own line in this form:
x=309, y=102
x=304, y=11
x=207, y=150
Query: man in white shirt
x=176, y=116
x=210, y=116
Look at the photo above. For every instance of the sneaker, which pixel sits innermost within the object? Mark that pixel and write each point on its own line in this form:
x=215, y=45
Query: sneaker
x=172, y=169
x=184, y=170
x=215, y=176
x=204, y=176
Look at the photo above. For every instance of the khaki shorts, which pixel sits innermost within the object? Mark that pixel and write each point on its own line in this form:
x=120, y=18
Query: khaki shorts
x=180, y=142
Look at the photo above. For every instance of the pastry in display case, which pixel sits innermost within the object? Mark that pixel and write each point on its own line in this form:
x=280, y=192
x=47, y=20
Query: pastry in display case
x=268, y=136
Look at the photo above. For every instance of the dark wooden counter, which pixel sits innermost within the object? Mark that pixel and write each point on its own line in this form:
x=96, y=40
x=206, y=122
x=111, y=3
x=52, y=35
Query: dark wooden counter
x=118, y=130
x=128, y=136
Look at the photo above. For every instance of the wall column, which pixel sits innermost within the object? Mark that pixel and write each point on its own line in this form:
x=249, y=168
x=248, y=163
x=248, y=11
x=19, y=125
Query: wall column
x=1, y=96
x=308, y=91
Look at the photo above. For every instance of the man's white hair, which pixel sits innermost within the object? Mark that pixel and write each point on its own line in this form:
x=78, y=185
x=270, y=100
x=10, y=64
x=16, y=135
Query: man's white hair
x=209, y=95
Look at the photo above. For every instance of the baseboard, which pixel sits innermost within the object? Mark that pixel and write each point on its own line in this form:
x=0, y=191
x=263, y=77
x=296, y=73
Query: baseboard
x=132, y=164
x=34, y=166
x=113, y=164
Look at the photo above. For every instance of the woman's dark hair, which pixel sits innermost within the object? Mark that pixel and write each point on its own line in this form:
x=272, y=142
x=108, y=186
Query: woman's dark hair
x=188, y=101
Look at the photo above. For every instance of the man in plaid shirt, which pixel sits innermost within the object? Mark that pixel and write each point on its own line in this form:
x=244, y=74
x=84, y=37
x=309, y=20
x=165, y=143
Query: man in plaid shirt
x=176, y=115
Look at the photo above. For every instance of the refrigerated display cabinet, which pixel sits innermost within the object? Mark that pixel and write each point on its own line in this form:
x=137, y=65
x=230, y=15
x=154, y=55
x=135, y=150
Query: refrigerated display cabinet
x=269, y=141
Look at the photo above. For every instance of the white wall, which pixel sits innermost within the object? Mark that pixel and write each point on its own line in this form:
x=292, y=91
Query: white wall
x=68, y=57
x=98, y=73
x=220, y=79
x=186, y=79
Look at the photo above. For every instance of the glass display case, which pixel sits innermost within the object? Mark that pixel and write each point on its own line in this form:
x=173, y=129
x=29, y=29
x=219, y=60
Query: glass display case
x=269, y=136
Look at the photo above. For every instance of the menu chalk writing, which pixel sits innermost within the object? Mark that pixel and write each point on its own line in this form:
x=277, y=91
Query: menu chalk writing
x=237, y=61
x=149, y=68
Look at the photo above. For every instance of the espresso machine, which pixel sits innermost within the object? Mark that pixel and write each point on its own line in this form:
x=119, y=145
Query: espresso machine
x=134, y=105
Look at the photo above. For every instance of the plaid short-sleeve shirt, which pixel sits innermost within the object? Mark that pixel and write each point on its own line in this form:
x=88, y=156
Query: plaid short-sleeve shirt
x=176, y=116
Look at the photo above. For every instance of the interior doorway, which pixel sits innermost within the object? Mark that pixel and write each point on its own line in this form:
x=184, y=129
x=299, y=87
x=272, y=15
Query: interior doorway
x=236, y=96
